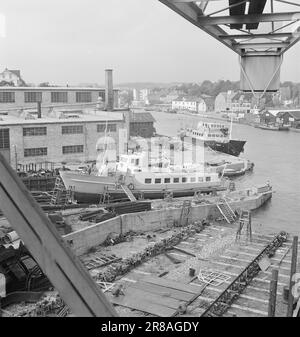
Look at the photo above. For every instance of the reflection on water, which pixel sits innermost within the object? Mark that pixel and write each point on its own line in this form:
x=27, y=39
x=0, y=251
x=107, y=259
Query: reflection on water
x=276, y=155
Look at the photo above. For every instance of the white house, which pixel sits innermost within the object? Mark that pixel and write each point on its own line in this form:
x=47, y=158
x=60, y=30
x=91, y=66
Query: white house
x=192, y=104
x=223, y=101
x=12, y=76
x=140, y=96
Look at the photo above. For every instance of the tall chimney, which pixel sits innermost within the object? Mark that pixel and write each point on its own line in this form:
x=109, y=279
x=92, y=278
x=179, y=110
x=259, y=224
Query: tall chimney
x=109, y=91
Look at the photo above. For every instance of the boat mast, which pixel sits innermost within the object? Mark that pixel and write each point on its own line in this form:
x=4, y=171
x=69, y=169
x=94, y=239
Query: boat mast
x=230, y=132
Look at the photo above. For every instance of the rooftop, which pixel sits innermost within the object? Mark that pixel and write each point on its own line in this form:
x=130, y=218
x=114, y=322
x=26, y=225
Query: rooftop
x=59, y=118
x=51, y=89
x=141, y=117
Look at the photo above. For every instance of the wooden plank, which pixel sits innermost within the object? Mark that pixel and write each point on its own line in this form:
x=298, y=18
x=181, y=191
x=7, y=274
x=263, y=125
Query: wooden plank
x=139, y=304
x=184, y=251
x=163, y=291
x=144, y=296
x=171, y=284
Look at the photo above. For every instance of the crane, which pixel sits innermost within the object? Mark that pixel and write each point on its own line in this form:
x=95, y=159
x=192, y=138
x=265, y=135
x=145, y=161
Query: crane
x=259, y=31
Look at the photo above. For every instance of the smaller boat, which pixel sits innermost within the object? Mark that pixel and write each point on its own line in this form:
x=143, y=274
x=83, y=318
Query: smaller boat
x=272, y=127
x=284, y=128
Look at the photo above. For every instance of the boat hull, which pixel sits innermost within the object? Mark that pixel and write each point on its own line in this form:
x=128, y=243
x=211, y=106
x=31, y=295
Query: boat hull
x=119, y=195
x=232, y=147
x=89, y=188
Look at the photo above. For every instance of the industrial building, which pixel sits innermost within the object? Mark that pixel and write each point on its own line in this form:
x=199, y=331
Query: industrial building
x=27, y=97
x=61, y=136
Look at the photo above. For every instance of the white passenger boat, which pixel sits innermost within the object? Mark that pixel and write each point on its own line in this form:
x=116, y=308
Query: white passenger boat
x=152, y=182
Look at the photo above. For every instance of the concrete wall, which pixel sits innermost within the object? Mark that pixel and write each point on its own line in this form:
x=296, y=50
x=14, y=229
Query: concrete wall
x=143, y=221
x=92, y=236
x=149, y=221
x=152, y=220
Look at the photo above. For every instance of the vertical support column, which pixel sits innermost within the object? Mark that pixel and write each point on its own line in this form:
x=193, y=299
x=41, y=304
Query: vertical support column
x=39, y=109
x=273, y=293
x=293, y=271
x=109, y=91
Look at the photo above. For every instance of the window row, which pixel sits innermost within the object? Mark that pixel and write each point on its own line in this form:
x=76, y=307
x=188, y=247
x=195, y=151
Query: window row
x=43, y=151
x=67, y=129
x=106, y=127
x=56, y=96
x=35, y=152
x=176, y=180
x=71, y=129
x=36, y=131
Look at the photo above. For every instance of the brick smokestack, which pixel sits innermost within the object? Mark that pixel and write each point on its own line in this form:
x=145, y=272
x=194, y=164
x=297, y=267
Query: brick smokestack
x=109, y=90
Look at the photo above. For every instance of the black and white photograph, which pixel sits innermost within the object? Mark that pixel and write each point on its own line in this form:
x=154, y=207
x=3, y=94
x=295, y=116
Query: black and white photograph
x=149, y=162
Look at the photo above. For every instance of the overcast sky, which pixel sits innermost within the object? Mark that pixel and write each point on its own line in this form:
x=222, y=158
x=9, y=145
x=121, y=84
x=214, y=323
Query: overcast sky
x=73, y=41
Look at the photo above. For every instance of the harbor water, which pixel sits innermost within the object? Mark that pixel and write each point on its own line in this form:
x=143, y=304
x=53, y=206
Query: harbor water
x=276, y=155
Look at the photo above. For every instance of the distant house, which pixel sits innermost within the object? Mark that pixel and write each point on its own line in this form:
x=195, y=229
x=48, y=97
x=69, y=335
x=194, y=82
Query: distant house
x=290, y=117
x=12, y=77
x=141, y=124
x=168, y=98
x=223, y=101
x=270, y=117
x=209, y=101
x=194, y=104
x=241, y=103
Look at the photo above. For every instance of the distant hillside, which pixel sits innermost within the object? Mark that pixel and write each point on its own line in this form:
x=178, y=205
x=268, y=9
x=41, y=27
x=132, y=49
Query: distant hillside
x=148, y=85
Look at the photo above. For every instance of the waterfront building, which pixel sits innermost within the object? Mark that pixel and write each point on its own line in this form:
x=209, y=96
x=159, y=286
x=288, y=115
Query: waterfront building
x=141, y=124
x=69, y=136
x=197, y=105
x=290, y=117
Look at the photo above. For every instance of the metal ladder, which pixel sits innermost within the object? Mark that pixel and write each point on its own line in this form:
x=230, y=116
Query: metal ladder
x=128, y=192
x=226, y=211
x=245, y=220
x=60, y=195
x=185, y=211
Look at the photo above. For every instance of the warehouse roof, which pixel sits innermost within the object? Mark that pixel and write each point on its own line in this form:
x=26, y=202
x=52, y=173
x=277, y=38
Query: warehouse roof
x=52, y=89
x=31, y=118
x=141, y=117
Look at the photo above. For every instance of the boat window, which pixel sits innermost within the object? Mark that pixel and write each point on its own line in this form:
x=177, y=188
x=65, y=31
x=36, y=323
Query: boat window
x=167, y=180
x=132, y=161
x=208, y=178
x=193, y=179
x=137, y=161
x=148, y=181
x=157, y=181
x=176, y=180
x=184, y=179
x=200, y=179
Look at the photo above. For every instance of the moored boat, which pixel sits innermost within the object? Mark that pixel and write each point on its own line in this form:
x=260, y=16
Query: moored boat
x=216, y=136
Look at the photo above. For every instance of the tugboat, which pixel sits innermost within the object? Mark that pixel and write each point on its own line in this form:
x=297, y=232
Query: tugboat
x=216, y=136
